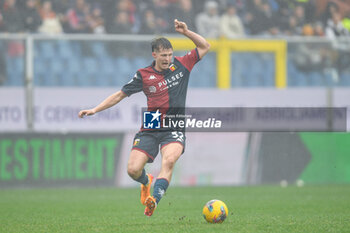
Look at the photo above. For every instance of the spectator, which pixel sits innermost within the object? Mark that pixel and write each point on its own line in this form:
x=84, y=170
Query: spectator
x=121, y=24
x=310, y=11
x=290, y=17
x=262, y=19
x=230, y=24
x=50, y=22
x=283, y=21
x=148, y=25
x=308, y=30
x=299, y=14
x=296, y=23
x=3, y=65
x=60, y=6
x=12, y=19
x=248, y=19
x=273, y=4
x=77, y=16
x=108, y=8
x=318, y=29
x=342, y=5
x=253, y=16
x=335, y=27
x=346, y=22
x=162, y=13
x=13, y=23
x=240, y=5
x=254, y=6
x=32, y=19
x=293, y=29
x=129, y=8
x=330, y=10
x=270, y=25
x=208, y=21
x=96, y=22
x=2, y=27
x=184, y=12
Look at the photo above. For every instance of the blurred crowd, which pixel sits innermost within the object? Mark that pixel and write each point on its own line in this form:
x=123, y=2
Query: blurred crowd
x=212, y=19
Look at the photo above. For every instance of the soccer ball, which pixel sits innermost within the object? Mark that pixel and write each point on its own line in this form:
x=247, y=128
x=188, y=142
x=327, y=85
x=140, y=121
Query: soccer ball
x=215, y=211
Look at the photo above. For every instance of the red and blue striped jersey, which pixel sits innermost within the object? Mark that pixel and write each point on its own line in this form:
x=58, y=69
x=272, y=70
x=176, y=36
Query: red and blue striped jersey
x=165, y=90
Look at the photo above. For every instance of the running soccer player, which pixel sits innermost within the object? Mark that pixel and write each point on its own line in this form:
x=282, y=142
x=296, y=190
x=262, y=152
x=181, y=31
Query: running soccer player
x=165, y=84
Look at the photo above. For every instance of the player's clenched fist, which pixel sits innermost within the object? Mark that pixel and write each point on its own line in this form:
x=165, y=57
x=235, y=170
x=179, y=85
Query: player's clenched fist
x=83, y=113
x=180, y=26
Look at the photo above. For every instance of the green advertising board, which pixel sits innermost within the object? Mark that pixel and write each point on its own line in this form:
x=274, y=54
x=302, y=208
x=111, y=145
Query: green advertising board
x=58, y=159
x=310, y=157
x=330, y=161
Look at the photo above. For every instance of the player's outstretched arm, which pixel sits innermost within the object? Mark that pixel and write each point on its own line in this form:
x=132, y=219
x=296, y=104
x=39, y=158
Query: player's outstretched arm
x=202, y=44
x=107, y=103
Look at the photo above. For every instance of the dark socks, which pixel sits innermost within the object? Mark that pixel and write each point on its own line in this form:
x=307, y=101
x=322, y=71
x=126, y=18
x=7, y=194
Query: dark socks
x=143, y=179
x=160, y=188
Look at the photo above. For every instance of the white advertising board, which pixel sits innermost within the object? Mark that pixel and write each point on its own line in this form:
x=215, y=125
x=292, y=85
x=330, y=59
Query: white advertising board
x=56, y=109
x=12, y=109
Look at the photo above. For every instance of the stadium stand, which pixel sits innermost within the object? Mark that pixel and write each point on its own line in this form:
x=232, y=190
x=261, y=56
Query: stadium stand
x=92, y=64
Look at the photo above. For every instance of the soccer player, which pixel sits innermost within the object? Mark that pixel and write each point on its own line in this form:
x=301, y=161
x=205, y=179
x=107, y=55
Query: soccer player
x=164, y=83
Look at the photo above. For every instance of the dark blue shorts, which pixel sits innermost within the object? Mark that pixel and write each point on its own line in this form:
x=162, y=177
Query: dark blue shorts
x=149, y=142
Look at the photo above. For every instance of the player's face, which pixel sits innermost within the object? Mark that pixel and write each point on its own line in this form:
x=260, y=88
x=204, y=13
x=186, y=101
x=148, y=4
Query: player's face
x=163, y=58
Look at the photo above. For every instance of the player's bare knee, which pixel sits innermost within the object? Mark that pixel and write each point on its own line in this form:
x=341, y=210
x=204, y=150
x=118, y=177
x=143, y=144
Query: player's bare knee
x=169, y=162
x=133, y=172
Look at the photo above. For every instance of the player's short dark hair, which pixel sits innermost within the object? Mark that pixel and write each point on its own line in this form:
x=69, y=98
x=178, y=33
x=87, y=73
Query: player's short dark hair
x=161, y=43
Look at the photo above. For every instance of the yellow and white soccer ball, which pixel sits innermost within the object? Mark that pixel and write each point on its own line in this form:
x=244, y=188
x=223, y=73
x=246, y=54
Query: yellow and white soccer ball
x=215, y=211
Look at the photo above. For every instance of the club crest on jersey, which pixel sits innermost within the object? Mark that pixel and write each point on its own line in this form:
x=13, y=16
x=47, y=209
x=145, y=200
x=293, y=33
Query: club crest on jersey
x=173, y=67
x=137, y=142
x=152, y=77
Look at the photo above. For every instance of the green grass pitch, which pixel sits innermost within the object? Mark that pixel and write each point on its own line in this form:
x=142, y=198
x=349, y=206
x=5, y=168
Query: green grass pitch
x=251, y=209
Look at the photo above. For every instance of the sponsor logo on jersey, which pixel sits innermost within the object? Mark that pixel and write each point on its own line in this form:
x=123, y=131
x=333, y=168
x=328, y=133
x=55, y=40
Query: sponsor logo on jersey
x=170, y=79
x=152, y=77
